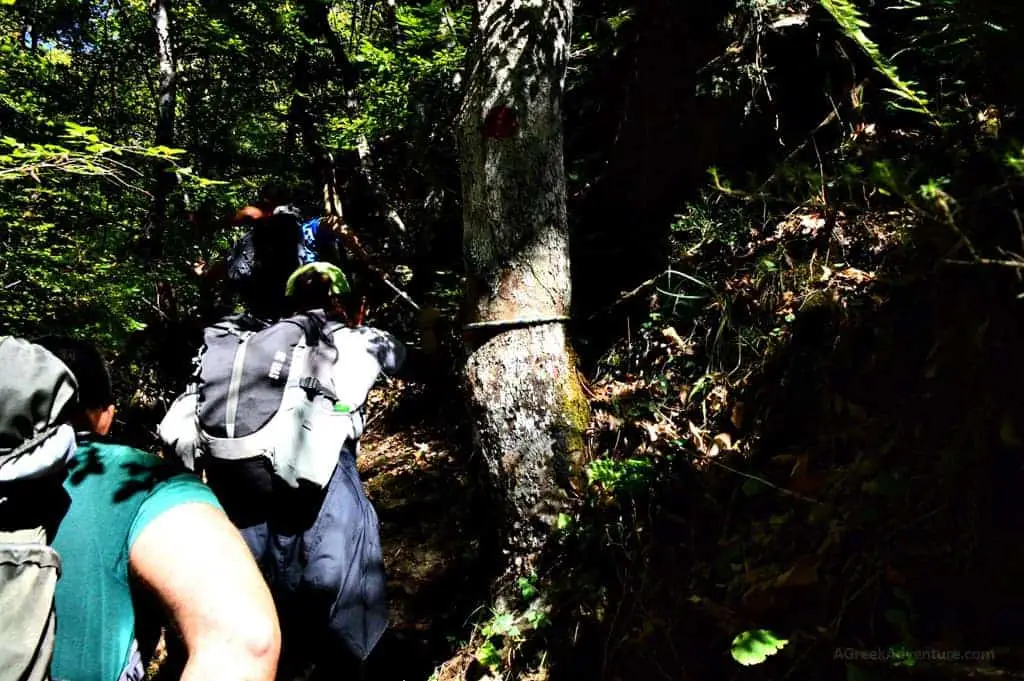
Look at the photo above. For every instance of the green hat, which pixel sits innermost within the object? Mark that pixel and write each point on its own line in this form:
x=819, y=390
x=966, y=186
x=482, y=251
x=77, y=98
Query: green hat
x=339, y=284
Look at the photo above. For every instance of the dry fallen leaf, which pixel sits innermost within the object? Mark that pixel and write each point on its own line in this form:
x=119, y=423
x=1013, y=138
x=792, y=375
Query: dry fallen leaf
x=737, y=415
x=422, y=450
x=811, y=223
x=672, y=335
x=718, y=398
x=650, y=430
x=606, y=420
x=855, y=275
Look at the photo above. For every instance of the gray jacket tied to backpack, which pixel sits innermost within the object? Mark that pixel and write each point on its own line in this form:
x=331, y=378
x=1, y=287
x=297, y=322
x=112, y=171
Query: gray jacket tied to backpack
x=36, y=390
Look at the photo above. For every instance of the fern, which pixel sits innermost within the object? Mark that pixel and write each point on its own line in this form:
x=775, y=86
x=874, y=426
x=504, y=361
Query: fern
x=850, y=21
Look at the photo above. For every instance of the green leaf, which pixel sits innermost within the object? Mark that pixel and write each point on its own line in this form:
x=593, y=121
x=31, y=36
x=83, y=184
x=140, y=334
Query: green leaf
x=847, y=15
x=527, y=588
x=896, y=617
x=755, y=646
x=162, y=151
x=536, y=617
x=488, y=656
x=503, y=624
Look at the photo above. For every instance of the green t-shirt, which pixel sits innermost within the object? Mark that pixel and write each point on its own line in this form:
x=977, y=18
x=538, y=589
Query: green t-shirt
x=115, y=492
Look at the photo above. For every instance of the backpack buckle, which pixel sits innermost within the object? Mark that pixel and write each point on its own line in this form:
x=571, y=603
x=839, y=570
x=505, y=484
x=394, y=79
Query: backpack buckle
x=311, y=384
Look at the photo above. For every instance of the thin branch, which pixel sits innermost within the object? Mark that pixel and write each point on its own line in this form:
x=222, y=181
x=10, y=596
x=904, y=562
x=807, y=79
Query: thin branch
x=1017, y=264
x=767, y=483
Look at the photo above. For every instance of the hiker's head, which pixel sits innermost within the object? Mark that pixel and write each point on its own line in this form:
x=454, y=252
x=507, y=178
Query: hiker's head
x=273, y=194
x=318, y=285
x=95, y=390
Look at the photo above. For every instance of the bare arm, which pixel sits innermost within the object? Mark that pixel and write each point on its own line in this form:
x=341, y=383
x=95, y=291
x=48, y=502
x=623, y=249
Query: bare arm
x=193, y=559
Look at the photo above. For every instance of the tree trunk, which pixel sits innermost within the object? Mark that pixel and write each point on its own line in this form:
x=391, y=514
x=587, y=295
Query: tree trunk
x=301, y=117
x=166, y=104
x=529, y=413
x=317, y=25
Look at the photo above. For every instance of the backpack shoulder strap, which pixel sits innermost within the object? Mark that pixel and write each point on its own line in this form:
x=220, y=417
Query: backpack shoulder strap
x=316, y=327
x=240, y=322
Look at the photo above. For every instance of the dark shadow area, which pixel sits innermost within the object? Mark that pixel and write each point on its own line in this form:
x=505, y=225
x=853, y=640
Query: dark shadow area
x=434, y=527
x=899, y=530
x=651, y=117
x=641, y=137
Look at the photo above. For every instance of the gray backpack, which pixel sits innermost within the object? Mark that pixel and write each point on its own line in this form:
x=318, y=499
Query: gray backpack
x=35, y=446
x=265, y=390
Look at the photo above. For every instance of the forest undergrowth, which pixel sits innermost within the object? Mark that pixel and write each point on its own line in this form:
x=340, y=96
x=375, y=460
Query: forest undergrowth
x=823, y=451
x=797, y=266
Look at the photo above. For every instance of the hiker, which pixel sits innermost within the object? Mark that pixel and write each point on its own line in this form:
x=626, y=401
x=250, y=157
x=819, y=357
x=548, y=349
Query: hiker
x=284, y=466
x=262, y=259
x=275, y=240
x=137, y=527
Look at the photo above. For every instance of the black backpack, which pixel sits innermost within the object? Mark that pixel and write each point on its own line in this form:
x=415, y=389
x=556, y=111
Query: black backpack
x=263, y=259
x=265, y=390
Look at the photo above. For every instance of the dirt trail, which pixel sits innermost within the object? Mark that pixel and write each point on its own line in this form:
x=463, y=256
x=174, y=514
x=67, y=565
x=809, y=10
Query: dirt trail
x=431, y=529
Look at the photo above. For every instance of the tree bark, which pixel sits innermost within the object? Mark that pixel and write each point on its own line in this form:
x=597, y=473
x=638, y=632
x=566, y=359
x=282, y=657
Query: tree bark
x=529, y=412
x=166, y=104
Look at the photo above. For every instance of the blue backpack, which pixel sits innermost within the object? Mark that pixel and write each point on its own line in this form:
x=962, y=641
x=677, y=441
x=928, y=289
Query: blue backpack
x=319, y=244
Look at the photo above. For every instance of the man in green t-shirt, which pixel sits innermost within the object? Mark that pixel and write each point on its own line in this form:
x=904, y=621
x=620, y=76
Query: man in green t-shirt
x=137, y=525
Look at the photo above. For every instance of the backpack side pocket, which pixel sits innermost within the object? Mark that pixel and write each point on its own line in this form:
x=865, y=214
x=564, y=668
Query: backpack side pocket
x=29, y=570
